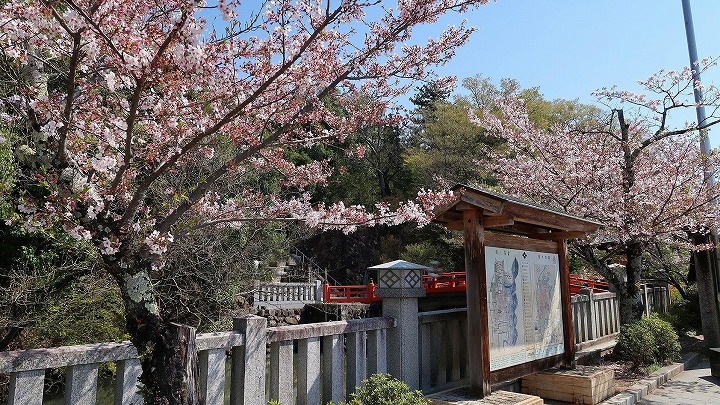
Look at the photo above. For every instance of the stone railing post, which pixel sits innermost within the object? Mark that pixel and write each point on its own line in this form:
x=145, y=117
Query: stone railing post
x=592, y=318
x=248, y=362
x=318, y=296
x=400, y=285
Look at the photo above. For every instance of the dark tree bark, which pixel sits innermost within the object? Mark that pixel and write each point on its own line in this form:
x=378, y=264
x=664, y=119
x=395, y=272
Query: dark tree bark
x=705, y=271
x=167, y=360
x=626, y=287
x=631, y=307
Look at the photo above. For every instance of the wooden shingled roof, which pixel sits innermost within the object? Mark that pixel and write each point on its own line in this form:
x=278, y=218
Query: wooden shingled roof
x=507, y=214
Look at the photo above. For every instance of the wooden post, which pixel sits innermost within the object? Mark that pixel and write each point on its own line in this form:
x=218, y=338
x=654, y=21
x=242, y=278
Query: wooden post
x=569, y=358
x=477, y=310
x=184, y=337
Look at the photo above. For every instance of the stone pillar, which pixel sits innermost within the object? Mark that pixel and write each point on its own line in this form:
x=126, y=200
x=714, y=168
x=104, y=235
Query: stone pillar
x=592, y=315
x=247, y=377
x=400, y=285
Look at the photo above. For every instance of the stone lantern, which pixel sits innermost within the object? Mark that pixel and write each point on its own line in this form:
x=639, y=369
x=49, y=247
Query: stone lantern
x=400, y=284
x=400, y=278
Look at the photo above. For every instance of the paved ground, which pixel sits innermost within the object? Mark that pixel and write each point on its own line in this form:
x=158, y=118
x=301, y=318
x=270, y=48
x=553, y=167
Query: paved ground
x=692, y=387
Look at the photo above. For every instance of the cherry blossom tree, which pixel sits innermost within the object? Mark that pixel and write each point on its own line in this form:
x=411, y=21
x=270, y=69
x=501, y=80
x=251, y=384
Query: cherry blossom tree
x=629, y=169
x=119, y=99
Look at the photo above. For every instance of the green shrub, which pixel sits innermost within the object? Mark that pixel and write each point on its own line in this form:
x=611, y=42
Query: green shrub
x=650, y=340
x=684, y=314
x=383, y=389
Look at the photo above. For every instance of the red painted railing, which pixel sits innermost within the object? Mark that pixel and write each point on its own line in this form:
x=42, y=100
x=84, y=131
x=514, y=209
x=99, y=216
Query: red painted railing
x=577, y=283
x=441, y=283
x=350, y=293
x=444, y=282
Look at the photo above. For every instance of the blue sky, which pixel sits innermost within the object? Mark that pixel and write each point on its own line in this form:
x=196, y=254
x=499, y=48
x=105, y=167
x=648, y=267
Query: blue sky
x=569, y=48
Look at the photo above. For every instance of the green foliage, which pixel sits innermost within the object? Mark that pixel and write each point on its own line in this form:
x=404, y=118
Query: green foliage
x=8, y=175
x=429, y=251
x=215, y=268
x=448, y=148
x=684, y=313
x=36, y=269
x=648, y=341
x=89, y=311
x=383, y=389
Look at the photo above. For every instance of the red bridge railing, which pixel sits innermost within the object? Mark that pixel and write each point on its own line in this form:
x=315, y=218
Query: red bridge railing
x=444, y=282
x=350, y=293
x=577, y=283
x=434, y=284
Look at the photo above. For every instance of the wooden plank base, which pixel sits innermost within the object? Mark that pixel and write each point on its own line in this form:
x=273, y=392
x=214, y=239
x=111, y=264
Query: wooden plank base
x=584, y=385
x=463, y=396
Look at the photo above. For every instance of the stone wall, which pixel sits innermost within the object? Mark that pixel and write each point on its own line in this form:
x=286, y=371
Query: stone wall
x=280, y=317
x=325, y=312
x=318, y=312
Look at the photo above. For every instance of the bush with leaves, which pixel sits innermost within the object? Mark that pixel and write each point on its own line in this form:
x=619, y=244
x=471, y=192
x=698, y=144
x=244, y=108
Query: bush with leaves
x=648, y=341
x=684, y=313
x=383, y=389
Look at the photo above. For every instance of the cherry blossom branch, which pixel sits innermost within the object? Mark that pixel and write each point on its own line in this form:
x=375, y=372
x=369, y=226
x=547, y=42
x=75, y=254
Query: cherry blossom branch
x=95, y=26
x=70, y=96
x=145, y=185
x=204, y=186
x=195, y=196
x=140, y=84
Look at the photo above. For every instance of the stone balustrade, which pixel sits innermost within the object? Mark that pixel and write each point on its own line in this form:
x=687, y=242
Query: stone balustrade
x=348, y=351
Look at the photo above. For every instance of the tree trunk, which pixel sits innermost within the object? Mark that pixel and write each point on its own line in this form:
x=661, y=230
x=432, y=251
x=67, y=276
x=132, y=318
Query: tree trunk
x=626, y=287
x=384, y=184
x=631, y=307
x=164, y=355
x=705, y=271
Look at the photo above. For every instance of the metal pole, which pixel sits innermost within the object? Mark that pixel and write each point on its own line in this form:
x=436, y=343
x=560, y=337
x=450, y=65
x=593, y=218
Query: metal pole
x=695, y=66
x=707, y=274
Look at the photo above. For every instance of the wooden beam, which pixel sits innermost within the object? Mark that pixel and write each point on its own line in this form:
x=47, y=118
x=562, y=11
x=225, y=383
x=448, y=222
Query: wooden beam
x=463, y=206
x=477, y=310
x=452, y=216
x=520, y=370
x=497, y=220
x=547, y=219
x=568, y=333
x=501, y=240
x=520, y=228
x=479, y=201
x=557, y=235
x=455, y=225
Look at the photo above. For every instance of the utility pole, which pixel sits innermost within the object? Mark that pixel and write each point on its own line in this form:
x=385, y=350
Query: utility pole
x=706, y=262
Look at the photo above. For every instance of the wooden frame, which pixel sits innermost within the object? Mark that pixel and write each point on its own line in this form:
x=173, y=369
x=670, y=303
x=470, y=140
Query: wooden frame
x=492, y=219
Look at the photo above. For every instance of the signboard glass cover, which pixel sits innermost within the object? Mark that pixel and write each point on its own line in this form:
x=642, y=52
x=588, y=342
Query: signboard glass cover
x=524, y=306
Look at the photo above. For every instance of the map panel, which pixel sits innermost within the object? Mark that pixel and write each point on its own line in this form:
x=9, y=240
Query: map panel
x=524, y=306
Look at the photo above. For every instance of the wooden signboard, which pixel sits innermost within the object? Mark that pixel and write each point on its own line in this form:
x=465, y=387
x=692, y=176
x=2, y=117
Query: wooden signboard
x=524, y=306
x=518, y=291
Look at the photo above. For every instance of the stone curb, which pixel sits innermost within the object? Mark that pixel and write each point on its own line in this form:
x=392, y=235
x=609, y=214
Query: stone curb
x=637, y=391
